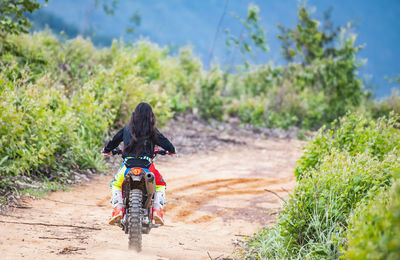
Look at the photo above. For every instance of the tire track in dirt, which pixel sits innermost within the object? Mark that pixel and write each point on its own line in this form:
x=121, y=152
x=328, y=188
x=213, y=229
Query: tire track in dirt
x=193, y=201
x=211, y=198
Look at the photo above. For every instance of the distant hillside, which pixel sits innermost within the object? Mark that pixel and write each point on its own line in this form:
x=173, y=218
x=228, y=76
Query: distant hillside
x=178, y=22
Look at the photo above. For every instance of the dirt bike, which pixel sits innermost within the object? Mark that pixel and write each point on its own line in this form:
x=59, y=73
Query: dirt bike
x=138, y=191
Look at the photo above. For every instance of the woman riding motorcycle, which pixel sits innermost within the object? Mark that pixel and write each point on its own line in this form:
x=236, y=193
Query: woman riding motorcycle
x=140, y=138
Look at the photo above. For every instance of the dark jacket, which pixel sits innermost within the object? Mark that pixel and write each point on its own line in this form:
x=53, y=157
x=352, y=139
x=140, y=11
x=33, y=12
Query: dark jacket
x=125, y=136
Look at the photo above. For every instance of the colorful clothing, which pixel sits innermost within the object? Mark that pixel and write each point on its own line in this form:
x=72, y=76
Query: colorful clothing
x=116, y=183
x=143, y=160
x=116, y=193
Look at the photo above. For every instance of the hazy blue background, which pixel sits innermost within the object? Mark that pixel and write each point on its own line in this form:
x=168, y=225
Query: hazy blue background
x=182, y=22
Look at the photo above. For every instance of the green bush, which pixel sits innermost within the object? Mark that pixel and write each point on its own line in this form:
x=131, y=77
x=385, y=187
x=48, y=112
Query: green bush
x=249, y=110
x=318, y=85
x=38, y=126
x=59, y=100
x=384, y=106
x=299, y=95
x=354, y=134
x=374, y=228
x=342, y=169
x=208, y=97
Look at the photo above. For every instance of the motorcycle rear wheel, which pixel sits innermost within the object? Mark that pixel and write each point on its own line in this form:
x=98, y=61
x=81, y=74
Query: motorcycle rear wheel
x=135, y=219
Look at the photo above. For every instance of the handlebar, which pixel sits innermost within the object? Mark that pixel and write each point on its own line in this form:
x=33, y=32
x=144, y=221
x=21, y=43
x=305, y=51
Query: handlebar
x=116, y=151
x=161, y=151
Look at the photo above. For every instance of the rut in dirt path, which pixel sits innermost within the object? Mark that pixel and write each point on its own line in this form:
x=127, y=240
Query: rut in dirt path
x=212, y=200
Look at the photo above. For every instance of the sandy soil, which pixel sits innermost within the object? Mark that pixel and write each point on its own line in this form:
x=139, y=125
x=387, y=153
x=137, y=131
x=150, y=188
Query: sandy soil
x=214, y=199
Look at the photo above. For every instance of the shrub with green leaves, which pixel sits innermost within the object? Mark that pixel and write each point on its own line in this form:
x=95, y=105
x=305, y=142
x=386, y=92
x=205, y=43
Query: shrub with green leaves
x=208, y=97
x=384, y=106
x=59, y=100
x=319, y=84
x=374, y=227
x=37, y=126
x=354, y=134
x=343, y=168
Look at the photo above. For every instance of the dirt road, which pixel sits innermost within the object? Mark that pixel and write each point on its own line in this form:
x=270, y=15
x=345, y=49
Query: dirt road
x=213, y=199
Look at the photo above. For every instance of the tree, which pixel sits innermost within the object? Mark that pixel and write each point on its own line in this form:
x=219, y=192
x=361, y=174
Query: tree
x=250, y=35
x=12, y=18
x=328, y=64
x=307, y=41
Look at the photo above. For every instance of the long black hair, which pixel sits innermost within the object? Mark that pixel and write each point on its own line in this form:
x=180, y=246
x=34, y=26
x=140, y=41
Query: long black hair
x=143, y=131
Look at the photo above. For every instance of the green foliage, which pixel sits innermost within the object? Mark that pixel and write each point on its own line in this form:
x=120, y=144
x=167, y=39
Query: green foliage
x=354, y=134
x=342, y=169
x=60, y=99
x=45, y=188
x=314, y=89
x=190, y=70
x=135, y=21
x=385, y=106
x=12, y=19
x=374, y=228
x=182, y=78
x=307, y=41
x=251, y=35
x=30, y=111
x=208, y=99
x=300, y=95
x=249, y=110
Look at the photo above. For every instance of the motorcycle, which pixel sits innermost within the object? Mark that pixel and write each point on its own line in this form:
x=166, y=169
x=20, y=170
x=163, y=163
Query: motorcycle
x=138, y=191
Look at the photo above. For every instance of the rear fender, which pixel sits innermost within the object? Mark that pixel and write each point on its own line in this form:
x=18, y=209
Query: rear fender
x=136, y=177
x=136, y=174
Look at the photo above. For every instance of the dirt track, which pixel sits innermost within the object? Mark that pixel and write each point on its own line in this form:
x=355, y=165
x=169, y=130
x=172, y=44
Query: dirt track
x=213, y=200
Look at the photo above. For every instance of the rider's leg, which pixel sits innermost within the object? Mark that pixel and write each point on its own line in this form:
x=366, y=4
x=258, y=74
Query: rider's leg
x=116, y=195
x=159, y=196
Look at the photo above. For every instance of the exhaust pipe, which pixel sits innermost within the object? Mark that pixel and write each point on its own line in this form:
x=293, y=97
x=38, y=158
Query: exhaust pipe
x=150, y=187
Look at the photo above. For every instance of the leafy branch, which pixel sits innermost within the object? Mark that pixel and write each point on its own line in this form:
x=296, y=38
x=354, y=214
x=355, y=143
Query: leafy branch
x=12, y=19
x=251, y=34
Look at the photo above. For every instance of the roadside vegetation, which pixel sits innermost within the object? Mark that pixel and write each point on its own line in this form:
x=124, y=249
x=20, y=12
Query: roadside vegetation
x=346, y=202
x=59, y=100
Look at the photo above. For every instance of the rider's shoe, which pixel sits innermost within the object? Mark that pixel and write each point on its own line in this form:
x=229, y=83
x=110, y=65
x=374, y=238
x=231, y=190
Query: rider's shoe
x=117, y=215
x=158, y=216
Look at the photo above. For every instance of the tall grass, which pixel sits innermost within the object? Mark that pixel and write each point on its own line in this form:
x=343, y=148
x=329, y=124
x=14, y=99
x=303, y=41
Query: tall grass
x=343, y=168
x=374, y=227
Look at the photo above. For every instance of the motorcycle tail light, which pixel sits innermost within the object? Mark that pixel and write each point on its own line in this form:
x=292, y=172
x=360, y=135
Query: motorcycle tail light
x=136, y=171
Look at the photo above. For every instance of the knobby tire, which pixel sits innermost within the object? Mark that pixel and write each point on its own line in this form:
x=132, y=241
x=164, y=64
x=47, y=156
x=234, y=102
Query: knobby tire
x=135, y=220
